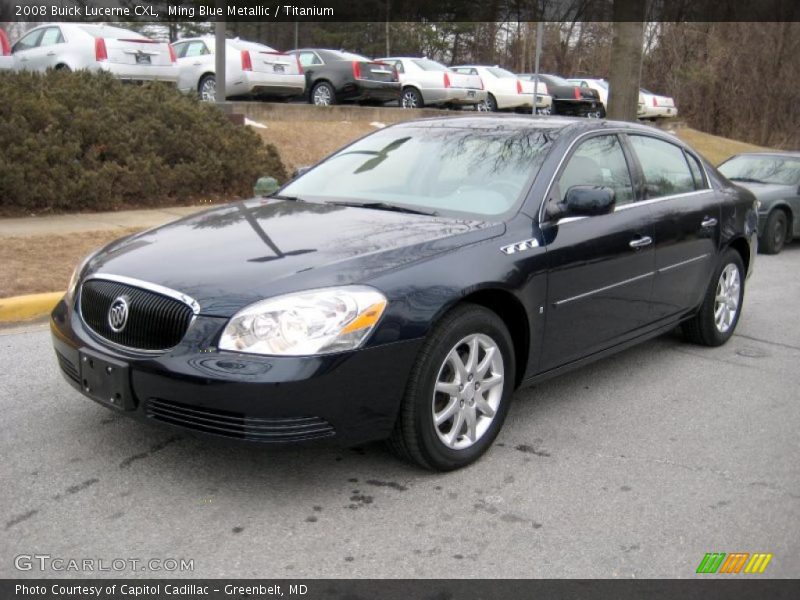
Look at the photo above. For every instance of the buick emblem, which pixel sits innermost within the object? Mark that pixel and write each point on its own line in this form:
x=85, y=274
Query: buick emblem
x=118, y=314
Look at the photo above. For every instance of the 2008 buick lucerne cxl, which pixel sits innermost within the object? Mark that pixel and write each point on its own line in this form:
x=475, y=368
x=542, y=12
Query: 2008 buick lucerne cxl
x=403, y=288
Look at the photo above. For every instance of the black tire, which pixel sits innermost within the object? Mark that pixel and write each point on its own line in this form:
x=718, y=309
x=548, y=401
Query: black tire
x=415, y=437
x=702, y=329
x=411, y=98
x=323, y=87
x=210, y=78
x=63, y=67
x=774, y=237
x=491, y=103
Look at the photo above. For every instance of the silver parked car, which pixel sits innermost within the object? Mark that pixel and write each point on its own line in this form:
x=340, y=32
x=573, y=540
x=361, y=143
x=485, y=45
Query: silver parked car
x=427, y=82
x=125, y=54
x=251, y=69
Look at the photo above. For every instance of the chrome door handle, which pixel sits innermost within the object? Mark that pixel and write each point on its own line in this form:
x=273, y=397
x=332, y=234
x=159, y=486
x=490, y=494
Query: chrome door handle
x=197, y=64
x=641, y=242
x=51, y=53
x=709, y=222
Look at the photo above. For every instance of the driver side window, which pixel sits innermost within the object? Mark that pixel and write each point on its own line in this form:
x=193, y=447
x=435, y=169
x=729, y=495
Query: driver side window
x=599, y=161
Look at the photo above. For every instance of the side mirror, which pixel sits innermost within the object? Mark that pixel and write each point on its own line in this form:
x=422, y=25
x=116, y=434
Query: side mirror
x=587, y=201
x=300, y=170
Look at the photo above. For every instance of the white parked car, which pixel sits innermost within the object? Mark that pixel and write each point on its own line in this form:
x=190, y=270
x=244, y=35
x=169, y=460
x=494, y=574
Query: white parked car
x=656, y=107
x=6, y=60
x=601, y=87
x=125, y=54
x=427, y=82
x=251, y=69
x=504, y=90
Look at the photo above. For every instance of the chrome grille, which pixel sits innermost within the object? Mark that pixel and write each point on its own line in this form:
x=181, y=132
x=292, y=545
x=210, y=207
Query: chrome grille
x=155, y=321
x=236, y=425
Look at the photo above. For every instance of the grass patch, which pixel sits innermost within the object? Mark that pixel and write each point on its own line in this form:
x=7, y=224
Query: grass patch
x=43, y=263
x=713, y=147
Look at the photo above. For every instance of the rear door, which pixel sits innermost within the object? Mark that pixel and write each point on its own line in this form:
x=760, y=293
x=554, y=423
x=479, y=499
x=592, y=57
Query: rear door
x=25, y=50
x=600, y=268
x=194, y=59
x=687, y=215
x=46, y=55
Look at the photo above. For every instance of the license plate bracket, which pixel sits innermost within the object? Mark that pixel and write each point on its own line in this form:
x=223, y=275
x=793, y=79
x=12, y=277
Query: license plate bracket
x=471, y=94
x=106, y=380
x=142, y=59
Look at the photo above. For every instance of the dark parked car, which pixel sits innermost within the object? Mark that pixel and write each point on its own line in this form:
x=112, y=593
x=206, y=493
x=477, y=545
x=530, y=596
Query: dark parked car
x=334, y=76
x=404, y=287
x=570, y=99
x=774, y=178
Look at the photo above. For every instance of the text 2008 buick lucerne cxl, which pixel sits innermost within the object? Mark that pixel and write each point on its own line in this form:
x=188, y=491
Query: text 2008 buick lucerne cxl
x=404, y=287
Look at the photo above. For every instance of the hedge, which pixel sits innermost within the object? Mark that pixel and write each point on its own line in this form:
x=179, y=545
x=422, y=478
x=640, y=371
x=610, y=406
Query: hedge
x=81, y=141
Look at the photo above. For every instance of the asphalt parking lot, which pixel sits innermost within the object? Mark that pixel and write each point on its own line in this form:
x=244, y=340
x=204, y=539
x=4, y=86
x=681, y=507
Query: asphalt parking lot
x=635, y=466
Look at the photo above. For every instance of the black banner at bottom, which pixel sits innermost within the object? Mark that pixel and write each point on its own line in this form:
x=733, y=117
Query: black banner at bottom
x=396, y=589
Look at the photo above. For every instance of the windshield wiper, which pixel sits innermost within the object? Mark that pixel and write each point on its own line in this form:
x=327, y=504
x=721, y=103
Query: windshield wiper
x=388, y=207
x=746, y=179
x=290, y=198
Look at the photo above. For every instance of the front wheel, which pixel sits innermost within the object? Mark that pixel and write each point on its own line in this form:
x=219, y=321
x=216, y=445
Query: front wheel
x=458, y=392
x=774, y=236
x=719, y=314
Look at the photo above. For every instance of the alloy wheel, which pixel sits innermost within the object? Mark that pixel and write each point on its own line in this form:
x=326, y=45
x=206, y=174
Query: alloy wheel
x=208, y=90
x=409, y=99
x=726, y=302
x=322, y=95
x=468, y=391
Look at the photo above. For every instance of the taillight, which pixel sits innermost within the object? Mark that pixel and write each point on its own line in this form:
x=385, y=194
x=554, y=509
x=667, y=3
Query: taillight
x=172, y=56
x=356, y=69
x=5, y=48
x=481, y=82
x=577, y=93
x=299, y=66
x=446, y=80
x=519, y=86
x=100, y=52
x=655, y=103
x=247, y=64
x=395, y=74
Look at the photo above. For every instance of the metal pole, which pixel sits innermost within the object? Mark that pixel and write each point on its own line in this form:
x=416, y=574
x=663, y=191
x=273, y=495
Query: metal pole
x=296, y=26
x=539, y=36
x=219, y=52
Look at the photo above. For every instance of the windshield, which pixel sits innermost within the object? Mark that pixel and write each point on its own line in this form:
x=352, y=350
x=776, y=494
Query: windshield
x=501, y=73
x=782, y=170
x=475, y=172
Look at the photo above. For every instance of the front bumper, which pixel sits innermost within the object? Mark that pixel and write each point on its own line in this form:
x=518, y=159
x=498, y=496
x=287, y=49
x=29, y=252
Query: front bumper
x=352, y=397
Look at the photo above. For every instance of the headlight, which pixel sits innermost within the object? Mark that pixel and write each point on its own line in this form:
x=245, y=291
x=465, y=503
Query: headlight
x=75, y=278
x=305, y=323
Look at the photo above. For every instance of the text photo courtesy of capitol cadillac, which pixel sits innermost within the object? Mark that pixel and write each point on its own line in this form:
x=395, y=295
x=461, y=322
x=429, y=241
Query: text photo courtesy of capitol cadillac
x=399, y=299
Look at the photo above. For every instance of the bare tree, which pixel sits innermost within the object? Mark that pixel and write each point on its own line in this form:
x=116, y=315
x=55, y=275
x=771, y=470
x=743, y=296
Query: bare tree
x=626, y=59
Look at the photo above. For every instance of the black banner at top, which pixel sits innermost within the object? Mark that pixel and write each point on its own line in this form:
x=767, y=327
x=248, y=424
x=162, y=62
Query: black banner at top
x=399, y=10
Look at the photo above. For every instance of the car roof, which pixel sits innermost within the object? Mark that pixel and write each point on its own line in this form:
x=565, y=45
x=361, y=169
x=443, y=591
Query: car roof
x=783, y=153
x=542, y=122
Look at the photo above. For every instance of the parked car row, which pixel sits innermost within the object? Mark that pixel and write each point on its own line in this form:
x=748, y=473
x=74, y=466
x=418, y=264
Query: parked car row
x=321, y=76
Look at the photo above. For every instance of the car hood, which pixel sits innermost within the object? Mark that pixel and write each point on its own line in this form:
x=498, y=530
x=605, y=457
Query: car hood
x=228, y=257
x=768, y=191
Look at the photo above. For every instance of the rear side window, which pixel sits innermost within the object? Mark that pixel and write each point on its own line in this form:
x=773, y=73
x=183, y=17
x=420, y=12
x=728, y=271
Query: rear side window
x=697, y=172
x=195, y=49
x=664, y=166
x=51, y=36
x=599, y=161
x=309, y=58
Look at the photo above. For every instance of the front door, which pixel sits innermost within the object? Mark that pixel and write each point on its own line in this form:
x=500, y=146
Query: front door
x=600, y=268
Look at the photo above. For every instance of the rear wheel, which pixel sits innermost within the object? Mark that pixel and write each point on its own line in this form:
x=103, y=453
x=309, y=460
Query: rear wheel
x=458, y=392
x=323, y=94
x=491, y=103
x=719, y=314
x=207, y=88
x=774, y=236
x=411, y=98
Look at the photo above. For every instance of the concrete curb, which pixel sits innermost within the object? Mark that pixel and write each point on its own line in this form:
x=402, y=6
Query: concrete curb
x=25, y=308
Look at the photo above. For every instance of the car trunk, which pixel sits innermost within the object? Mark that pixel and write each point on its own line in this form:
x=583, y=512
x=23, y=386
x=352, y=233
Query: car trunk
x=374, y=71
x=274, y=62
x=460, y=80
x=141, y=52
